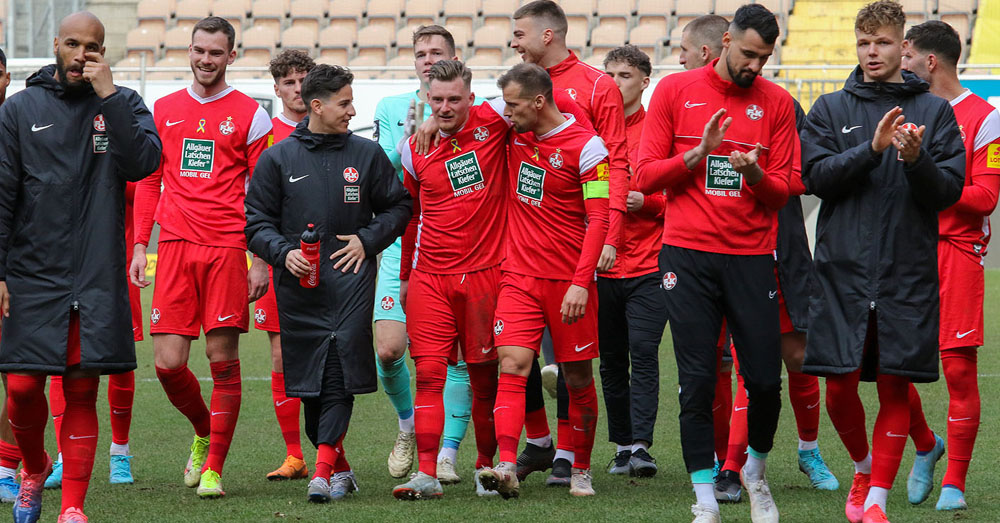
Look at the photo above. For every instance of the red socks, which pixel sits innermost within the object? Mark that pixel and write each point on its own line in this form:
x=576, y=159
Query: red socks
x=57, y=407
x=803, y=392
x=10, y=455
x=325, y=456
x=28, y=412
x=483, y=380
x=428, y=408
x=226, y=398
x=721, y=409
x=923, y=436
x=79, y=438
x=184, y=393
x=583, y=418
x=341, y=464
x=287, y=411
x=736, y=454
x=508, y=414
x=963, y=412
x=121, y=393
x=536, y=423
x=847, y=413
x=891, y=428
x=565, y=440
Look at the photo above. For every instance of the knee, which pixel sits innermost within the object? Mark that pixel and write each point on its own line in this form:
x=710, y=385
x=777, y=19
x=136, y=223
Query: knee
x=431, y=374
x=514, y=364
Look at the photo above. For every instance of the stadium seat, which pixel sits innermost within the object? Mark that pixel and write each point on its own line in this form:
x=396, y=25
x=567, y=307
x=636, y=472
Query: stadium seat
x=577, y=33
x=661, y=21
x=727, y=8
x=153, y=14
x=584, y=8
x=384, y=13
x=461, y=30
x=334, y=37
x=346, y=25
x=404, y=36
x=143, y=40
x=192, y=10
x=455, y=9
x=499, y=8
x=609, y=9
x=333, y=56
x=129, y=61
x=171, y=61
x=259, y=42
x=487, y=57
x=422, y=10
x=487, y=37
x=249, y=61
x=375, y=36
x=675, y=33
x=232, y=10
x=604, y=38
x=306, y=14
x=512, y=60
x=270, y=14
x=778, y=7
x=917, y=6
x=176, y=42
x=957, y=6
x=596, y=59
x=347, y=8
x=295, y=38
x=404, y=61
x=368, y=60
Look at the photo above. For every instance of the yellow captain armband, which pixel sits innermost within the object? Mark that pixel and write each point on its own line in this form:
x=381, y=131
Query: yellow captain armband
x=596, y=189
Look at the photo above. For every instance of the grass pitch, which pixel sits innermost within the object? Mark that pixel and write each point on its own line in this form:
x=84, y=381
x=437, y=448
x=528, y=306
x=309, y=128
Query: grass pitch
x=160, y=438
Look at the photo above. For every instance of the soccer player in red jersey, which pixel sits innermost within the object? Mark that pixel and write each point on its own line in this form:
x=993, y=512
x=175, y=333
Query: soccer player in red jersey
x=288, y=70
x=932, y=51
x=213, y=137
x=727, y=184
x=883, y=176
x=557, y=222
x=450, y=270
x=632, y=312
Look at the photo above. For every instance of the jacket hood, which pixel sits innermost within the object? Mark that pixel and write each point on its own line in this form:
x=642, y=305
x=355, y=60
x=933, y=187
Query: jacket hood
x=316, y=140
x=912, y=85
x=46, y=78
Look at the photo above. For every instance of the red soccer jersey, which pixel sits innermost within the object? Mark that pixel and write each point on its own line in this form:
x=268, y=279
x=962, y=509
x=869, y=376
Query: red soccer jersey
x=599, y=97
x=551, y=176
x=969, y=219
x=210, y=148
x=643, y=234
x=711, y=208
x=281, y=127
x=459, y=191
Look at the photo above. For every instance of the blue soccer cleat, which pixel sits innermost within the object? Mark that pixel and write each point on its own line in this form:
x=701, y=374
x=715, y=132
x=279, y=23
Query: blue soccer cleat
x=921, y=479
x=121, y=470
x=812, y=464
x=54, y=480
x=8, y=490
x=951, y=499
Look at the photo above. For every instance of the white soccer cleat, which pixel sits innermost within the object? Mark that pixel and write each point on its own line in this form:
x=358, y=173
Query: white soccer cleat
x=703, y=514
x=762, y=508
x=581, y=483
x=401, y=458
x=446, y=472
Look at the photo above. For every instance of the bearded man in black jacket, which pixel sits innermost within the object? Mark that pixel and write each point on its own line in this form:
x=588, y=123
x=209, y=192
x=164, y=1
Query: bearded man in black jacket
x=885, y=156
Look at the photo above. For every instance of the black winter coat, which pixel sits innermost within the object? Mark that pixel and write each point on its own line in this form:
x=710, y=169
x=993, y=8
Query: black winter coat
x=877, y=232
x=343, y=184
x=795, y=265
x=64, y=160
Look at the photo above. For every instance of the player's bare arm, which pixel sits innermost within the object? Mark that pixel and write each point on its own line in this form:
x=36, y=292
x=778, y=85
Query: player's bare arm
x=97, y=72
x=427, y=136
x=710, y=140
x=137, y=269
x=907, y=142
x=746, y=164
x=4, y=302
x=351, y=254
x=574, y=304
x=296, y=263
x=886, y=129
x=257, y=279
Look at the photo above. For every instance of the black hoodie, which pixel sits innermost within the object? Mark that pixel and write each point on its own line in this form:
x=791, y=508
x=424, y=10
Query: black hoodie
x=877, y=232
x=64, y=159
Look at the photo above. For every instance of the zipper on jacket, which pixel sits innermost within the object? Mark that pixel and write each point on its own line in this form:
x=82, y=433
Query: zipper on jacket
x=76, y=305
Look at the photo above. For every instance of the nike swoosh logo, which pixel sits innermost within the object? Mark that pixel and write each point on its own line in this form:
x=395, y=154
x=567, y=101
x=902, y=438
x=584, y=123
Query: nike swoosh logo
x=847, y=130
x=35, y=128
x=400, y=123
x=961, y=335
x=282, y=402
x=119, y=412
x=579, y=348
x=417, y=407
x=578, y=429
x=891, y=435
x=689, y=105
x=772, y=294
x=74, y=436
x=223, y=412
x=813, y=406
x=293, y=179
x=486, y=350
x=500, y=407
x=171, y=124
x=224, y=318
x=517, y=142
x=957, y=419
x=739, y=408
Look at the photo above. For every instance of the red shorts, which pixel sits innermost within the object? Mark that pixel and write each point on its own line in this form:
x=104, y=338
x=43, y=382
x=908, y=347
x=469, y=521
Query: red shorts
x=135, y=303
x=73, y=341
x=199, y=287
x=962, y=281
x=265, y=310
x=527, y=305
x=783, y=317
x=445, y=312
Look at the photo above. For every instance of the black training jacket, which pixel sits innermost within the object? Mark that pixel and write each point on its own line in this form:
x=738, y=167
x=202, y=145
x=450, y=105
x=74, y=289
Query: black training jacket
x=344, y=185
x=795, y=265
x=877, y=232
x=64, y=160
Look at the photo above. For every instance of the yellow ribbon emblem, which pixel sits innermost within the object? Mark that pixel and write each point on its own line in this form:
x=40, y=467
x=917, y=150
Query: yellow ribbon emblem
x=201, y=126
x=454, y=145
x=535, y=156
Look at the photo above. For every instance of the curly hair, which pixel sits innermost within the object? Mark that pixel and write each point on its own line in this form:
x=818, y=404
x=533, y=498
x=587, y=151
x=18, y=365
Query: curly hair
x=289, y=61
x=883, y=13
x=630, y=55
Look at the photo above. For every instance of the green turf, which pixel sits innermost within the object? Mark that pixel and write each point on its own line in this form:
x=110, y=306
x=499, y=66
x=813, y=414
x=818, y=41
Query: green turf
x=161, y=436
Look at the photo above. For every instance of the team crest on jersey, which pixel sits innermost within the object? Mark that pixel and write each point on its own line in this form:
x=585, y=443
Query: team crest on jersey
x=351, y=174
x=909, y=126
x=154, y=316
x=571, y=92
x=464, y=173
x=259, y=316
x=99, y=125
x=481, y=134
x=227, y=127
x=556, y=159
x=498, y=327
x=387, y=303
x=754, y=112
x=530, y=184
x=669, y=281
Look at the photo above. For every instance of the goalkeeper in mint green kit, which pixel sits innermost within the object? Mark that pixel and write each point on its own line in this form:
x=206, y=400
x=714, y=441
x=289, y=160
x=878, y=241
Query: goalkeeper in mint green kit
x=430, y=45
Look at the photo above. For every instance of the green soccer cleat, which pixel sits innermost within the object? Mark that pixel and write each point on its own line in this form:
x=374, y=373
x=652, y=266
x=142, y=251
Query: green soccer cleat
x=210, y=485
x=199, y=453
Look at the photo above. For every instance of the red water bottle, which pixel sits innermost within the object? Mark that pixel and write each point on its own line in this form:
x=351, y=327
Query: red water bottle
x=309, y=243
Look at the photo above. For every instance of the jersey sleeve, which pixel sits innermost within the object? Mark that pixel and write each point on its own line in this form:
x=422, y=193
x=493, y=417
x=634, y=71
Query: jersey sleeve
x=566, y=104
x=409, y=241
x=258, y=138
x=658, y=170
x=383, y=134
x=594, y=174
x=980, y=197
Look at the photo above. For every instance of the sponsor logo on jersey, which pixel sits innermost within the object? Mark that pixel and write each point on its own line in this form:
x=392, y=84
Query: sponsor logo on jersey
x=481, y=134
x=154, y=316
x=352, y=194
x=961, y=130
x=556, y=159
x=227, y=127
x=602, y=172
x=375, y=130
x=530, y=183
x=993, y=156
x=754, y=112
x=351, y=174
x=498, y=327
x=669, y=281
x=197, y=158
x=259, y=316
x=720, y=177
x=464, y=173
x=99, y=125
x=100, y=143
x=387, y=303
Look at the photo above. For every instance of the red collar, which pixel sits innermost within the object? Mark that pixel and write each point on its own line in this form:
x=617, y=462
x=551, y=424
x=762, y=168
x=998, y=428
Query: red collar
x=723, y=86
x=564, y=65
x=636, y=117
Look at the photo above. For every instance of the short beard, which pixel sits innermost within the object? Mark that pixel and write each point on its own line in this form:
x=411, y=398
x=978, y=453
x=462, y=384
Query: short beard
x=737, y=79
x=64, y=80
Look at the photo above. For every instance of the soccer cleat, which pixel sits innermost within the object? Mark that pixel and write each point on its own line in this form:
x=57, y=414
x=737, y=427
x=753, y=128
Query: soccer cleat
x=199, y=452
x=561, y=472
x=72, y=515
x=728, y=488
x=762, y=509
x=951, y=499
x=8, y=490
x=534, y=459
x=342, y=484
x=28, y=505
x=292, y=468
x=703, y=514
x=420, y=486
x=581, y=483
x=642, y=464
x=811, y=463
x=318, y=490
x=874, y=514
x=715, y=470
x=210, y=485
x=620, y=463
x=502, y=478
x=121, y=470
x=921, y=479
x=401, y=457
x=550, y=376
x=854, y=509
x=446, y=472
x=480, y=489
x=55, y=477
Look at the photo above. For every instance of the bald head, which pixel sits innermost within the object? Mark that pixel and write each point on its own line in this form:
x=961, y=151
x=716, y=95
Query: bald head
x=81, y=34
x=82, y=22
